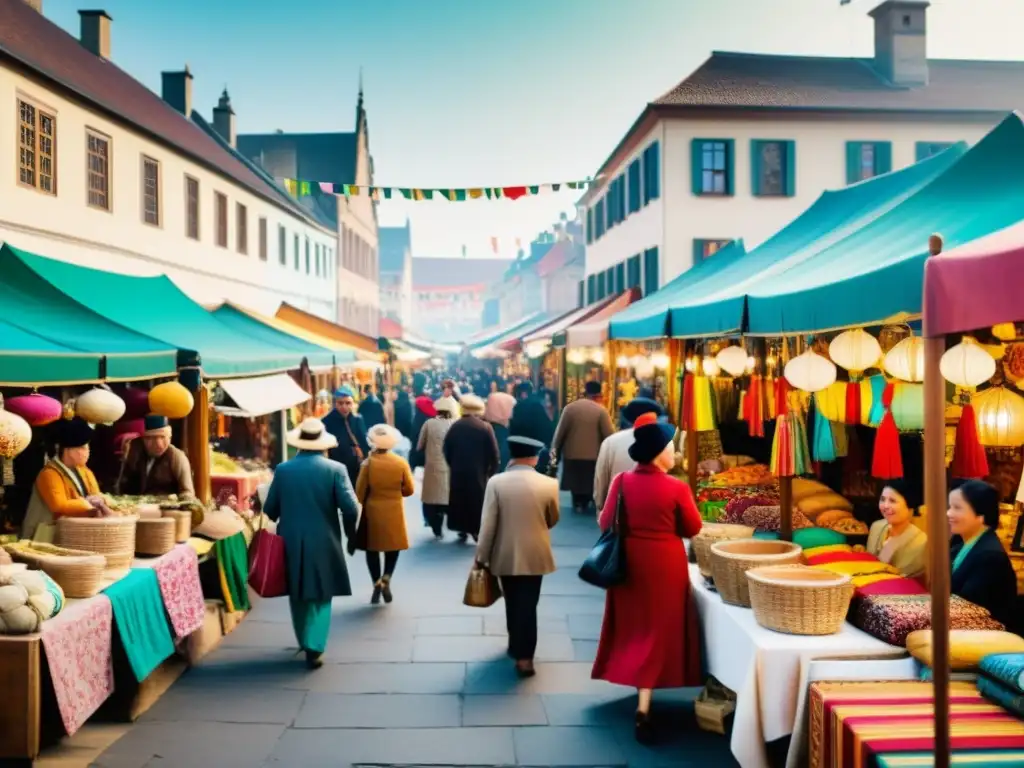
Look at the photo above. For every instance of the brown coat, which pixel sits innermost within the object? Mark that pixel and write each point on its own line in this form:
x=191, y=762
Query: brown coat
x=520, y=507
x=385, y=479
x=170, y=474
x=582, y=428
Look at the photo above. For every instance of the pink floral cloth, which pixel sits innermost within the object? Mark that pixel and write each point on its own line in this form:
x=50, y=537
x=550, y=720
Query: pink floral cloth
x=177, y=572
x=77, y=644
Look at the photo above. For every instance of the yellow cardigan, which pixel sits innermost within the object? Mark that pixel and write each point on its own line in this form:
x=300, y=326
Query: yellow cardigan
x=60, y=494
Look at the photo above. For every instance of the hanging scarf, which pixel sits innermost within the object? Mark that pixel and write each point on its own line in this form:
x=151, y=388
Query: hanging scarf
x=969, y=459
x=887, y=462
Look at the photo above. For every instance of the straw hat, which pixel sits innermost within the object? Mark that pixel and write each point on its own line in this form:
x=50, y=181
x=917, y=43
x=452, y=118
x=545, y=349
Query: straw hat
x=311, y=436
x=472, y=405
x=383, y=437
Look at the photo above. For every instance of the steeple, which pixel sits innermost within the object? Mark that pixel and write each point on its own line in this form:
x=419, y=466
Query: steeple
x=361, y=123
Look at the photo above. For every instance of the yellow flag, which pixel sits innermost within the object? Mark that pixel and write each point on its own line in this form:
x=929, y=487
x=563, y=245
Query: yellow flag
x=475, y=193
x=417, y=194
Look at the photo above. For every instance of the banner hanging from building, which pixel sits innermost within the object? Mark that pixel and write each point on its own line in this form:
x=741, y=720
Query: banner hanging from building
x=300, y=188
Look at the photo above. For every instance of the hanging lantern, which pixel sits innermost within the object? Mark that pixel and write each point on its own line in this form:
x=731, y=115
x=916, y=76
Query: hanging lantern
x=99, y=406
x=711, y=368
x=908, y=407
x=810, y=372
x=170, y=400
x=1000, y=414
x=536, y=349
x=733, y=360
x=15, y=434
x=967, y=364
x=37, y=410
x=905, y=361
x=661, y=361
x=575, y=357
x=691, y=364
x=595, y=355
x=855, y=350
x=622, y=362
x=643, y=367
x=1005, y=331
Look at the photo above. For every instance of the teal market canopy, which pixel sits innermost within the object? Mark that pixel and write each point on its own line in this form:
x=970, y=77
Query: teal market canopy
x=246, y=324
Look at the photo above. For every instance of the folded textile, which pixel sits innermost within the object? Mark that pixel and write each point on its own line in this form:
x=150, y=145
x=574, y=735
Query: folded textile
x=1007, y=668
x=141, y=620
x=891, y=618
x=1009, y=758
x=1006, y=697
x=178, y=575
x=233, y=568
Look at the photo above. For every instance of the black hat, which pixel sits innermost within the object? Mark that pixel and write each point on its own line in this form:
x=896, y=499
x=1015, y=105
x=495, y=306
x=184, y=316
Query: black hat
x=74, y=433
x=983, y=498
x=592, y=388
x=638, y=406
x=650, y=438
x=520, y=447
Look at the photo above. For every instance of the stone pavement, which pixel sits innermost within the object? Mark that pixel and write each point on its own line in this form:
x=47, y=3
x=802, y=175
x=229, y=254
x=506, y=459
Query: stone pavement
x=421, y=682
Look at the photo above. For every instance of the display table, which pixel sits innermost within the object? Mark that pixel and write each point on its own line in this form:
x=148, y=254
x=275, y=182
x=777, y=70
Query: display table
x=768, y=670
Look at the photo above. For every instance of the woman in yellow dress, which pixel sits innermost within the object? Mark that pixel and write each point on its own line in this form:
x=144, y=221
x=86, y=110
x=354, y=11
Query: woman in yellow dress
x=895, y=539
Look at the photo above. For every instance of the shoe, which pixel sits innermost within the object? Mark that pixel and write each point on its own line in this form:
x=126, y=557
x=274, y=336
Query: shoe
x=378, y=587
x=473, y=536
x=463, y=537
x=314, y=660
x=525, y=669
x=385, y=589
x=643, y=729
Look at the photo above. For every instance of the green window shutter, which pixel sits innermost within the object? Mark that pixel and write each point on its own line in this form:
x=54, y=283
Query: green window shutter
x=852, y=162
x=655, y=170
x=696, y=167
x=730, y=165
x=883, y=157
x=922, y=150
x=789, y=147
x=755, y=171
x=698, y=252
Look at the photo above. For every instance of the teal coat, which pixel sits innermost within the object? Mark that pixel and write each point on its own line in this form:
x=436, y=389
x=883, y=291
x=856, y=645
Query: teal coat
x=305, y=498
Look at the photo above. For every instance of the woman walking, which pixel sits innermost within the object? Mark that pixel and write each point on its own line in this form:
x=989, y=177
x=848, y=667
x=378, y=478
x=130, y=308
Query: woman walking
x=650, y=637
x=434, y=494
x=304, y=499
x=498, y=414
x=384, y=480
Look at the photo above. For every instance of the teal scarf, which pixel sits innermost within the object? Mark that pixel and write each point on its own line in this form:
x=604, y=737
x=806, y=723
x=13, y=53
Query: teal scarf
x=966, y=549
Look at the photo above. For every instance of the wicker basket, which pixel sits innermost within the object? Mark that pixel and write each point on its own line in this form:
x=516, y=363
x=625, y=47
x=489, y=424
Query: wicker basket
x=113, y=537
x=799, y=600
x=78, y=573
x=730, y=560
x=182, y=523
x=155, y=537
x=709, y=534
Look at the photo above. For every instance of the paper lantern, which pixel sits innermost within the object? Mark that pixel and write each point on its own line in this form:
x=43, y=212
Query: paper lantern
x=905, y=361
x=37, y=410
x=967, y=364
x=622, y=362
x=170, y=400
x=810, y=372
x=595, y=355
x=15, y=434
x=733, y=360
x=1000, y=415
x=908, y=407
x=711, y=368
x=99, y=406
x=575, y=357
x=855, y=350
x=661, y=361
x=536, y=349
x=643, y=367
x=136, y=402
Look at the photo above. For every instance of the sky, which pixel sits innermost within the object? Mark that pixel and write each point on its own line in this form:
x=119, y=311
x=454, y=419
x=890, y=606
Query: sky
x=468, y=93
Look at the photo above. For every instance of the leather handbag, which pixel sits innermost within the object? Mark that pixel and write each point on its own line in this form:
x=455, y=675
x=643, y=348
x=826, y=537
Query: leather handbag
x=268, y=573
x=605, y=566
x=482, y=589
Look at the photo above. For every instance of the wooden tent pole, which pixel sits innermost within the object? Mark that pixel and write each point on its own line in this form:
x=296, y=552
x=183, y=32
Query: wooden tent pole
x=692, y=443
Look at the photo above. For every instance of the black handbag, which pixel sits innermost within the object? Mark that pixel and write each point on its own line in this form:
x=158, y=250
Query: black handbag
x=605, y=566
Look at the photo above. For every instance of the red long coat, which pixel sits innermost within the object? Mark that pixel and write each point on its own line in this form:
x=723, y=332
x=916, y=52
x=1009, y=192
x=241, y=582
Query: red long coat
x=650, y=637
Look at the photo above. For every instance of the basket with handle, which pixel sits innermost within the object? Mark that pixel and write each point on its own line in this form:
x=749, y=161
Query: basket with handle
x=155, y=536
x=78, y=573
x=709, y=534
x=731, y=559
x=799, y=600
x=113, y=537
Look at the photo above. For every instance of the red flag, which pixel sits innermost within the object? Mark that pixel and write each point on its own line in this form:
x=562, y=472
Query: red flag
x=513, y=193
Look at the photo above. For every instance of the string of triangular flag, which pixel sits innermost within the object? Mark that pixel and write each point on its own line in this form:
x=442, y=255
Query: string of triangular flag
x=301, y=188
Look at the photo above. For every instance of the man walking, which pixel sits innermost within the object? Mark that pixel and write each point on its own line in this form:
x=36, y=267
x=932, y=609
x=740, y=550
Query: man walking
x=530, y=419
x=614, y=458
x=349, y=430
x=371, y=408
x=471, y=451
x=584, y=425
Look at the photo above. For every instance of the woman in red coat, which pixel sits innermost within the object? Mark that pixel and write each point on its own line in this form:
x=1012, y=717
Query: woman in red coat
x=650, y=637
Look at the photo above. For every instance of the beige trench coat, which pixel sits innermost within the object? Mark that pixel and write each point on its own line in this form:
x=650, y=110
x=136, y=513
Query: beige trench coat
x=435, y=470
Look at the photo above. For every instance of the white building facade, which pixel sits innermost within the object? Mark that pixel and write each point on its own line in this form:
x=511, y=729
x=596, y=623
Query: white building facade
x=128, y=182
x=748, y=142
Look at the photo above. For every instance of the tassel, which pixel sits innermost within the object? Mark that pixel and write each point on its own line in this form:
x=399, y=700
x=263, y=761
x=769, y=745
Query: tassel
x=824, y=447
x=6, y=473
x=704, y=413
x=781, y=395
x=840, y=439
x=853, y=403
x=782, y=449
x=887, y=462
x=969, y=460
x=801, y=449
x=756, y=400
x=878, y=404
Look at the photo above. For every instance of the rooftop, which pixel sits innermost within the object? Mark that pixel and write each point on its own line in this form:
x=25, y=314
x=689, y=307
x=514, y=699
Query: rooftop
x=392, y=245
x=443, y=272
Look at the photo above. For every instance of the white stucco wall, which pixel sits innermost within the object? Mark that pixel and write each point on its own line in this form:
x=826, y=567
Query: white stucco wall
x=679, y=217
x=65, y=227
x=357, y=214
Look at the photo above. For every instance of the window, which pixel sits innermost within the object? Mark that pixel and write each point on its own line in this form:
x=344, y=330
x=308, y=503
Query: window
x=620, y=199
x=609, y=281
x=620, y=277
x=97, y=150
x=316, y=261
x=581, y=294
x=926, y=149
x=652, y=173
x=282, y=244
x=191, y=208
x=307, y=255
x=705, y=249
x=773, y=168
x=635, y=196
x=37, y=148
x=263, y=238
x=591, y=289
x=650, y=271
x=241, y=228
x=601, y=286
x=633, y=272
x=221, y=215
x=867, y=159
x=150, y=191
x=296, y=243
x=712, y=163
x=590, y=226
x=599, y=222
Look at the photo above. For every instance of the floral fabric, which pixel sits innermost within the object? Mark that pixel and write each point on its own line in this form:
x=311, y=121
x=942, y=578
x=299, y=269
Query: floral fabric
x=177, y=573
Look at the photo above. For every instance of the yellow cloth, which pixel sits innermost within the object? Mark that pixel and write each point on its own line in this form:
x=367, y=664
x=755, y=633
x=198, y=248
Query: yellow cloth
x=967, y=647
x=831, y=402
x=827, y=550
x=201, y=546
x=857, y=568
x=871, y=578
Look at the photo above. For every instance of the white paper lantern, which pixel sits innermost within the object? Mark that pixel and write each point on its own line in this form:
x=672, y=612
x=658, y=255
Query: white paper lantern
x=967, y=364
x=810, y=372
x=661, y=361
x=855, y=350
x=622, y=362
x=905, y=361
x=15, y=434
x=1000, y=415
x=733, y=360
x=575, y=357
x=595, y=355
x=536, y=349
x=710, y=367
x=643, y=367
x=99, y=406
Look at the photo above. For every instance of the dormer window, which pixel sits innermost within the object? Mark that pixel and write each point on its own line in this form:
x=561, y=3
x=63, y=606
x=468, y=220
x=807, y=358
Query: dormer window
x=906, y=20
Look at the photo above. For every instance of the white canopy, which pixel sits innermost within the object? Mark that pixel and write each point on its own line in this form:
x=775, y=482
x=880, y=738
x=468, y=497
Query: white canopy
x=261, y=395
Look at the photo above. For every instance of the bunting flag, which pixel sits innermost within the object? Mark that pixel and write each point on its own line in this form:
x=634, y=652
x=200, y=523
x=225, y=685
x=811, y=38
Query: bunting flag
x=300, y=188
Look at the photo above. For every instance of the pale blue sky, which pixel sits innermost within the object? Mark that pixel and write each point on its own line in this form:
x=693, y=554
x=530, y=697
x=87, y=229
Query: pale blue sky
x=482, y=92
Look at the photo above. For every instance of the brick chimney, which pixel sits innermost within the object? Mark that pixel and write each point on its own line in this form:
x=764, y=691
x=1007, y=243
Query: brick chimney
x=177, y=90
x=901, y=42
x=224, y=120
x=95, y=34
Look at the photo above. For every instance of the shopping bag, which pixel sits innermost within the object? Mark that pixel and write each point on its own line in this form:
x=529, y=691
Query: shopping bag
x=605, y=566
x=268, y=575
x=482, y=589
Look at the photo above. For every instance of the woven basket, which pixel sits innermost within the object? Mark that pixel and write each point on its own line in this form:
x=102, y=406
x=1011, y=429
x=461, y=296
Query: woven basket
x=113, y=537
x=182, y=523
x=730, y=560
x=709, y=534
x=799, y=600
x=155, y=537
x=78, y=573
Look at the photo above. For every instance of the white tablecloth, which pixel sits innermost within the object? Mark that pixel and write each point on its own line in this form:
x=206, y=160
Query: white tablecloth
x=768, y=670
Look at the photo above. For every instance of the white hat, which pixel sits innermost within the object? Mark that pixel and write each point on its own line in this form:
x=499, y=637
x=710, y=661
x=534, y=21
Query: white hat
x=311, y=436
x=383, y=437
x=472, y=405
x=449, y=404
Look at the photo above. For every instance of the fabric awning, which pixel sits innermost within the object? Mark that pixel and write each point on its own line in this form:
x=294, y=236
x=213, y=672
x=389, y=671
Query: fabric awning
x=28, y=360
x=593, y=332
x=260, y=395
x=487, y=346
x=265, y=329
x=548, y=331
x=346, y=337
